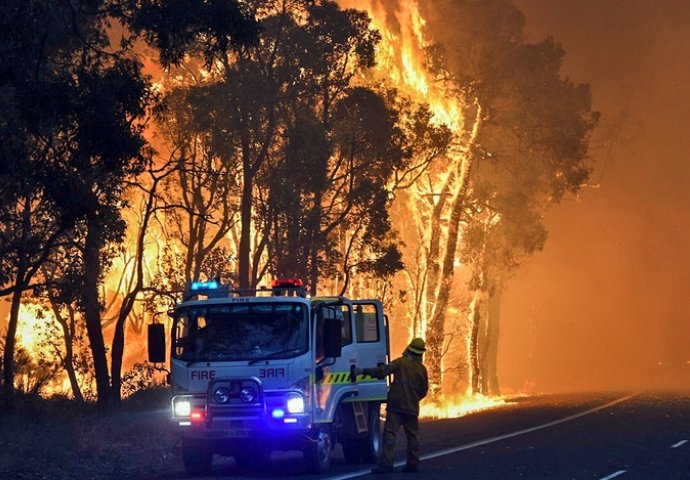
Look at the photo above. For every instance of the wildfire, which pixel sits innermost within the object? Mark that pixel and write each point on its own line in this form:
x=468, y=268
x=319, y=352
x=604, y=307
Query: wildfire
x=454, y=406
x=402, y=62
x=401, y=59
x=30, y=327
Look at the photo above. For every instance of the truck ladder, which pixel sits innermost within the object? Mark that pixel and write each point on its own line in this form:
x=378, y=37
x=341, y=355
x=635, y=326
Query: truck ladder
x=360, y=417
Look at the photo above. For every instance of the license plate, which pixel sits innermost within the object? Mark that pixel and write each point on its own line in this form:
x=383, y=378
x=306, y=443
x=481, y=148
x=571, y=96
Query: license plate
x=236, y=433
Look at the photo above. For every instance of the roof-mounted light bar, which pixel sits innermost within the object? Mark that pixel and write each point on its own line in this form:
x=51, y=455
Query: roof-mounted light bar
x=209, y=288
x=287, y=283
x=288, y=286
x=203, y=286
x=215, y=289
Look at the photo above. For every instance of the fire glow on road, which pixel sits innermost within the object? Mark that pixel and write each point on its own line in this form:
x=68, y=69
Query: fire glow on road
x=497, y=438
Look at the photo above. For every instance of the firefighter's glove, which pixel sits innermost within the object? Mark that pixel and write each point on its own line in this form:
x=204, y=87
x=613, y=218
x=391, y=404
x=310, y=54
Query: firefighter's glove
x=364, y=371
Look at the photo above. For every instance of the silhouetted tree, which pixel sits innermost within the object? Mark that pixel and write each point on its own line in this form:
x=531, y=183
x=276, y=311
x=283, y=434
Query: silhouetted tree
x=75, y=102
x=202, y=194
x=266, y=115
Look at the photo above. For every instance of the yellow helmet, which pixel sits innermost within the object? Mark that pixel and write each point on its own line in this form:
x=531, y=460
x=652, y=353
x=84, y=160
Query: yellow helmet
x=417, y=346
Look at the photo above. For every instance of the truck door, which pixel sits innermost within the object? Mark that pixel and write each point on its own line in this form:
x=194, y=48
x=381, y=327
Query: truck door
x=372, y=345
x=332, y=380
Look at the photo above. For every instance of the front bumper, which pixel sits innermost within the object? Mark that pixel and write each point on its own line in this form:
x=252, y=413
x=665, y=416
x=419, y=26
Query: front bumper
x=267, y=418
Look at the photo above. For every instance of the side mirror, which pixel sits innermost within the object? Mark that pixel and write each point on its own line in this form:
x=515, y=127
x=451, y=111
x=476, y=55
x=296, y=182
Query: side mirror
x=332, y=337
x=156, y=342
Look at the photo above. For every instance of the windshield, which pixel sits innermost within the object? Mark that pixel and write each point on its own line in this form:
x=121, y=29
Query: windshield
x=241, y=331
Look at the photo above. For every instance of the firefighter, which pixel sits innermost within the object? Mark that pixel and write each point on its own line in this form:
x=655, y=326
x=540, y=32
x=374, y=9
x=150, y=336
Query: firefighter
x=410, y=384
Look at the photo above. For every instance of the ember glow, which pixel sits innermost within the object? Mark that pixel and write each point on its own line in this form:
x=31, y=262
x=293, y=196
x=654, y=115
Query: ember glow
x=454, y=406
x=31, y=325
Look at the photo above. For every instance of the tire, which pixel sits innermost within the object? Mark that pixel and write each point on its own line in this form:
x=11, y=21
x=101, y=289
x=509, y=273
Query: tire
x=197, y=457
x=370, y=446
x=317, y=454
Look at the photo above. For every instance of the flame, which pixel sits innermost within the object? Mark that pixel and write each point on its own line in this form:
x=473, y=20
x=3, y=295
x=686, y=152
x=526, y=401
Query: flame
x=458, y=405
x=29, y=327
x=401, y=61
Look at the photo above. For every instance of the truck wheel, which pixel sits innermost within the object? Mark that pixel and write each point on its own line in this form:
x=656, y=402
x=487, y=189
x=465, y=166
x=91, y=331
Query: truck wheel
x=370, y=446
x=197, y=457
x=317, y=454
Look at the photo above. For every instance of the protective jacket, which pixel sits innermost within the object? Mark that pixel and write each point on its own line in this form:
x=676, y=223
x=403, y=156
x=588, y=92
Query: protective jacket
x=410, y=382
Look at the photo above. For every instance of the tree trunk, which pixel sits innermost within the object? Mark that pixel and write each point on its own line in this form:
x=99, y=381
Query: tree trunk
x=68, y=331
x=475, y=370
x=127, y=306
x=436, y=318
x=21, y=282
x=436, y=328
x=92, y=312
x=116, y=355
x=245, y=227
x=490, y=348
x=8, y=354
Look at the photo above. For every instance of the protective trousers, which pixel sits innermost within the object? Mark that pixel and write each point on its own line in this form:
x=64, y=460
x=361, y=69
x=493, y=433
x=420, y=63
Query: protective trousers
x=410, y=424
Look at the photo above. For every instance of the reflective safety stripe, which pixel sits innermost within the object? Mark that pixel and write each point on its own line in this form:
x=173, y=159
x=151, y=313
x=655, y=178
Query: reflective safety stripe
x=339, y=378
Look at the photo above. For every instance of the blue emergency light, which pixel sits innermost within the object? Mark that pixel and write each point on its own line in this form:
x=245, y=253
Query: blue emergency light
x=210, y=285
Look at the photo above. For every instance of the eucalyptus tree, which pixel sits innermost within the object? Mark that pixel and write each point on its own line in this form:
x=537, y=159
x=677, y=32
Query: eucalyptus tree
x=328, y=200
x=276, y=113
x=530, y=149
x=327, y=188
x=77, y=103
x=201, y=194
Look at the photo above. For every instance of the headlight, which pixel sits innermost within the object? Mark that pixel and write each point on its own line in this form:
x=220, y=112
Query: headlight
x=248, y=395
x=222, y=395
x=295, y=404
x=182, y=408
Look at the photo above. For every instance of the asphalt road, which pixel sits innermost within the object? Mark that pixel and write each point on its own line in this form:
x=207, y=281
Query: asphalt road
x=622, y=436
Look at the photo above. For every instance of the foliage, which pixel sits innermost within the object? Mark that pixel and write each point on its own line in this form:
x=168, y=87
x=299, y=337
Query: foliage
x=141, y=377
x=177, y=27
x=278, y=117
x=77, y=109
x=34, y=371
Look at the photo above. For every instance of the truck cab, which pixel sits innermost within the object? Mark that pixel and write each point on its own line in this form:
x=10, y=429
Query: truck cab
x=271, y=369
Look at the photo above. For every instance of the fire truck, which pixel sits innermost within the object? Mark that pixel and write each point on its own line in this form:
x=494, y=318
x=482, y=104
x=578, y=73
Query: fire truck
x=256, y=371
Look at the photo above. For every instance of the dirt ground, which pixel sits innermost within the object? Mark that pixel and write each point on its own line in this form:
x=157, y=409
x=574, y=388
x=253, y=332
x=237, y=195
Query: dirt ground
x=55, y=439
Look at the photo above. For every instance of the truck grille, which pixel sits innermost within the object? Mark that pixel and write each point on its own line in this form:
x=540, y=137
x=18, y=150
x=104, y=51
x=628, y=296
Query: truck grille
x=235, y=398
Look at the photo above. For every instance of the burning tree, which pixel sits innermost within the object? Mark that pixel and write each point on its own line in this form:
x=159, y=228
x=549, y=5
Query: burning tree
x=519, y=143
x=533, y=143
x=301, y=138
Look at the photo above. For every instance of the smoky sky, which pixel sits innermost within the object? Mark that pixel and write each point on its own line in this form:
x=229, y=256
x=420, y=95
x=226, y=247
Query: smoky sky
x=606, y=305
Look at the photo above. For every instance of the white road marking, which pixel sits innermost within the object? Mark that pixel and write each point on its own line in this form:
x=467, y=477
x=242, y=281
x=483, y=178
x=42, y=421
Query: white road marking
x=614, y=475
x=478, y=443
x=676, y=445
